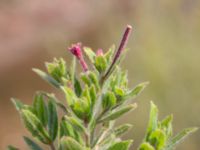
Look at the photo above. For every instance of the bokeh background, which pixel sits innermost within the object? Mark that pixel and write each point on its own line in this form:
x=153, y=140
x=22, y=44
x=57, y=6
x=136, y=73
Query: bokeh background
x=164, y=49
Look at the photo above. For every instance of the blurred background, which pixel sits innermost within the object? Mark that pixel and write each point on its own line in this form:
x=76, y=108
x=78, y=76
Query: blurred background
x=164, y=49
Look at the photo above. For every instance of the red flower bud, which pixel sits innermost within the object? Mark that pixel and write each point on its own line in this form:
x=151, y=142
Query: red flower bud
x=75, y=49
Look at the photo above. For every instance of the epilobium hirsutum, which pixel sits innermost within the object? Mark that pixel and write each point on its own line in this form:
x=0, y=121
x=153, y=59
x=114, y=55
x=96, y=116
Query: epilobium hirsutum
x=94, y=100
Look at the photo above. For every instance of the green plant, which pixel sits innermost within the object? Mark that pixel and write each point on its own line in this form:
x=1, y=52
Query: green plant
x=95, y=100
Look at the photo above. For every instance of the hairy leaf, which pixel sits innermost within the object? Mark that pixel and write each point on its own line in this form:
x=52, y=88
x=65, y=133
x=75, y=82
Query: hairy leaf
x=117, y=113
x=123, y=145
x=31, y=144
x=47, y=77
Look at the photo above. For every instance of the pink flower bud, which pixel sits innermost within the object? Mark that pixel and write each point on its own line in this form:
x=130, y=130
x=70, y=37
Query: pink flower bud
x=75, y=49
x=99, y=52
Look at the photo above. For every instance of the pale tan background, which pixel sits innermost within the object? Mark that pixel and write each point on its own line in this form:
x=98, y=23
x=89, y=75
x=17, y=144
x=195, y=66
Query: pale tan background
x=164, y=49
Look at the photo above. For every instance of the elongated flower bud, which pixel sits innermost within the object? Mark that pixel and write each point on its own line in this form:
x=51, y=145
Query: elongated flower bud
x=76, y=50
x=120, y=49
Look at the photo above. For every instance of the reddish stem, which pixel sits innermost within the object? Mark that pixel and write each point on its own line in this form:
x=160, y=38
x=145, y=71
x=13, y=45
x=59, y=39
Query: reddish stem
x=120, y=49
x=83, y=64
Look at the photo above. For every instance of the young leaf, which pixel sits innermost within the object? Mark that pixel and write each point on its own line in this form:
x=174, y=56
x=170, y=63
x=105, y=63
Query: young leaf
x=34, y=126
x=47, y=77
x=100, y=63
x=68, y=143
x=146, y=146
x=75, y=123
x=116, y=114
x=122, y=129
x=52, y=119
x=179, y=137
x=158, y=139
x=89, y=52
x=31, y=144
x=108, y=100
x=153, y=120
x=81, y=108
x=85, y=79
x=136, y=91
x=122, y=145
x=166, y=125
x=70, y=95
x=109, y=54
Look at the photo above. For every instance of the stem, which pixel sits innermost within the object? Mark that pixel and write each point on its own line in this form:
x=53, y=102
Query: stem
x=87, y=137
x=120, y=49
x=83, y=64
x=52, y=146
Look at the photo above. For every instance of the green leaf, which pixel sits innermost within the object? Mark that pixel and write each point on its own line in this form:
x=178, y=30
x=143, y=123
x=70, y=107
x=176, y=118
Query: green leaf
x=117, y=113
x=70, y=95
x=77, y=124
x=166, y=125
x=179, y=137
x=136, y=91
x=86, y=95
x=158, y=139
x=100, y=63
x=18, y=104
x=78, y=137
x=146, y=146
x=109, y=54
x=68, y=143
x=57, y=69
x=89, y=52
x=81, y=108
x=31, y=144
x=47, y=77
x=77, y=87
x=85, y=79
x=122, y=145
x=66, y=129
x=108, y=100
x=40, y=108
x=34, y=126
x=119, y=91
x=94, y=79
x=52, y=119
x=10, y=147
x=153, y=120
x=93, y=95
x=122, y=129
